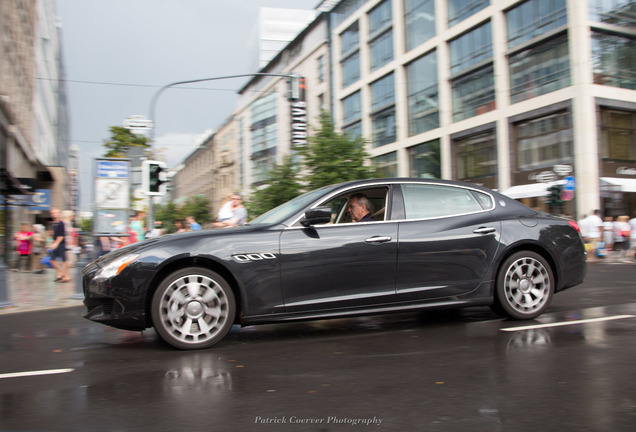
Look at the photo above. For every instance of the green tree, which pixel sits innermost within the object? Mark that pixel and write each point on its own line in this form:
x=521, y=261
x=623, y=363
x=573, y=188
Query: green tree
x=330, y=157
x=197, y=206
x=121, y=139
x=282, y=186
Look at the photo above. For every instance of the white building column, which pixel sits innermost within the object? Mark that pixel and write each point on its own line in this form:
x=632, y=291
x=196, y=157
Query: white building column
x=584, y=118
x=502, y=92
x=445, y=99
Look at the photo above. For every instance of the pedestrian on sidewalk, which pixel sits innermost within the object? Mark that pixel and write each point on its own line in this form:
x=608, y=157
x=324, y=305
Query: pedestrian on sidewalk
x=594, y=227
x=23, y=240
x=632, y=237
x=58, y=248
x=621, y=238
x=38, y=249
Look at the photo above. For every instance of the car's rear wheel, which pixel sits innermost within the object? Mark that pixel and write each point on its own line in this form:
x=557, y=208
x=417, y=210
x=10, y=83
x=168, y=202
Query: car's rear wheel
x=193, y=308
x=525, y=285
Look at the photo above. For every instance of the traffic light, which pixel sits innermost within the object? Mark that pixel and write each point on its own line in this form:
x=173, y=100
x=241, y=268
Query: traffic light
x=153, y=177
x=555, y=195
x=297, y=86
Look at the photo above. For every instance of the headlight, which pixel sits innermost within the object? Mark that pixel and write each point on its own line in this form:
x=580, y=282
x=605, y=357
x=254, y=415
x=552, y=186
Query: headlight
x=115, y=267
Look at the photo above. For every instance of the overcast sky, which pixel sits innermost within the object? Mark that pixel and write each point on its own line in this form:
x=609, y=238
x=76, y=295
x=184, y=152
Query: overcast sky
x=118, y=53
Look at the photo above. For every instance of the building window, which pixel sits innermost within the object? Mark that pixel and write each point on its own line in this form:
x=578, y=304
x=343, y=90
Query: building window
x=381, y=50
x=614, y=59
x=386, y=165
x=321, y=69
x=383, y=127
x=473, y=94
x=382, y=93
x=471, y=48
x=422, y=94
x=350, y=40
x=539, y=70
x=617, y=12
x=264, y=137
x=351, y=69
x=381, y=35
x=476, y=158
x=458, y=10
x=544, y=142
x=354, y=130
x=425, y=160
x=380, y=18
x=351, y=108
x=383, y=111
x=419, y=18
x=534, y=18
x=344, y=10
x=618, y=135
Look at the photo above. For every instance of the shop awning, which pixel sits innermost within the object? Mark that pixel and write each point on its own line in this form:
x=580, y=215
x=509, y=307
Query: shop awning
x=530, y=190
x=625, y=184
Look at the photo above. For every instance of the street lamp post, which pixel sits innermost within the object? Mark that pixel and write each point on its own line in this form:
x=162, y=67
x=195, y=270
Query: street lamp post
x=158, y=93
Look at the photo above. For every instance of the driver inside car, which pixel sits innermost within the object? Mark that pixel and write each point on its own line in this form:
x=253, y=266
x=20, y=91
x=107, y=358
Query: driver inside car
x=360, y=208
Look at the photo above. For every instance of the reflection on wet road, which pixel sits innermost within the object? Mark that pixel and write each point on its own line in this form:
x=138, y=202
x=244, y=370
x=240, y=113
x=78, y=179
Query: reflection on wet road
x=434, y=371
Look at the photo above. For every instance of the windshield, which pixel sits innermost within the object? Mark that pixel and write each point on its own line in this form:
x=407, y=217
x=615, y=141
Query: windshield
x=288, y=209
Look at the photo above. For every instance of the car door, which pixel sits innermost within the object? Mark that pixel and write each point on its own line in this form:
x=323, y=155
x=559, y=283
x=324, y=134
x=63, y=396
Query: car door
x=447, y=241
x=339, y=265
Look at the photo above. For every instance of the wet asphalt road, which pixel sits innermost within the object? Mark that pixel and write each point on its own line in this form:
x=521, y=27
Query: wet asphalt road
x=441, y=371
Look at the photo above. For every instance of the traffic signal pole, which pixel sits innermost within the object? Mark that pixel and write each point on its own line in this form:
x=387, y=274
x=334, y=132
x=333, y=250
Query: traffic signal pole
x=296, y=88
x=158, y=93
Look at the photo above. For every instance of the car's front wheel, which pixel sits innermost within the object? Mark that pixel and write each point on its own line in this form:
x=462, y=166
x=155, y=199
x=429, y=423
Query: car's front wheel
x=525, y=285
x=193, y=308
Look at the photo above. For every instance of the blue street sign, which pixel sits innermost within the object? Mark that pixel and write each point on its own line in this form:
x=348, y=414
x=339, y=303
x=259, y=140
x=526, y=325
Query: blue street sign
x=570, y=183
x=112, y=169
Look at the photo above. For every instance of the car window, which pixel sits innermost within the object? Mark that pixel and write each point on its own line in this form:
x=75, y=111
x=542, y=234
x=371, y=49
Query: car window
x=340, y=205
x=484, y=199
x=432, y=201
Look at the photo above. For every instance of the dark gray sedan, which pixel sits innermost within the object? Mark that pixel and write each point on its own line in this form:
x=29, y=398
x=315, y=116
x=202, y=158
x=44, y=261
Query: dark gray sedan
x=422, y=244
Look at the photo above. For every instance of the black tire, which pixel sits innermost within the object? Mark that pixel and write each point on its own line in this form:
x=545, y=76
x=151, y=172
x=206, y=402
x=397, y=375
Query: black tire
x=193, y=308
x=525, y=286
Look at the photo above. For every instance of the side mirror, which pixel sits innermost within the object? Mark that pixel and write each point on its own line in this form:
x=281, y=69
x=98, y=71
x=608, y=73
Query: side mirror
x=316, y=216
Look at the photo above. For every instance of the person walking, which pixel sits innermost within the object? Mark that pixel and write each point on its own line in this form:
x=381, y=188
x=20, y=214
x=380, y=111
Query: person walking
x=193, y=225
x=58, y=248
x=38, y=249
x=23, y=240
x=594, y=228
x=632, y=237
x=621, y=238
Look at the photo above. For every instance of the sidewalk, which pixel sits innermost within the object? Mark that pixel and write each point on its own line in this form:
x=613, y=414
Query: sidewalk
x=31, y=291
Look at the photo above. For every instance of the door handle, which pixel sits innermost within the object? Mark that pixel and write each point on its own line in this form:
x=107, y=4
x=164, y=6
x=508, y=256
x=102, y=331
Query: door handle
x=378, y=240
x=484, y=230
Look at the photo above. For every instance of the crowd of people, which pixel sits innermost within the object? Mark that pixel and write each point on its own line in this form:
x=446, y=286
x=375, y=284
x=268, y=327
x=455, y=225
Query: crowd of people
x=57, y=247
x=610, y=238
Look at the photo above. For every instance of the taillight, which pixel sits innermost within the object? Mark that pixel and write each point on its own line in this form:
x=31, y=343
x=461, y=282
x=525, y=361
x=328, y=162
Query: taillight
x=574, y=225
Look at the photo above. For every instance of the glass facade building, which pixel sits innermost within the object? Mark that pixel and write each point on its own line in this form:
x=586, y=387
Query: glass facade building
x=494, y=92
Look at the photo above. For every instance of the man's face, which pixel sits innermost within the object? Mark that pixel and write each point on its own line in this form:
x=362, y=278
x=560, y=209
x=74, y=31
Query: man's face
x=357, y=211
x=55, y=214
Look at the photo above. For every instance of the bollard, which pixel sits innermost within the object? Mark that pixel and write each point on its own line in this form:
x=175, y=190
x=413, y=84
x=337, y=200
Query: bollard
x=4, y=288
x=79, y=289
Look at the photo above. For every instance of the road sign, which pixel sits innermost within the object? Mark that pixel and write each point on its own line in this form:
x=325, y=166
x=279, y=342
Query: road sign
x=562, y=169
x=111, y=193
x=570, y=183
x=567, y=195
x=112, y=196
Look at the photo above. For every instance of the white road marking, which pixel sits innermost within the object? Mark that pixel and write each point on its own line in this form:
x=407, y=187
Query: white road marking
x=566, y=323
x=35, y=373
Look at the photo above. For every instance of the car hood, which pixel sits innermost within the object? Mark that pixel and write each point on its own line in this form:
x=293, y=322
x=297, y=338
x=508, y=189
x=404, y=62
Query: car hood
x=167, y=239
